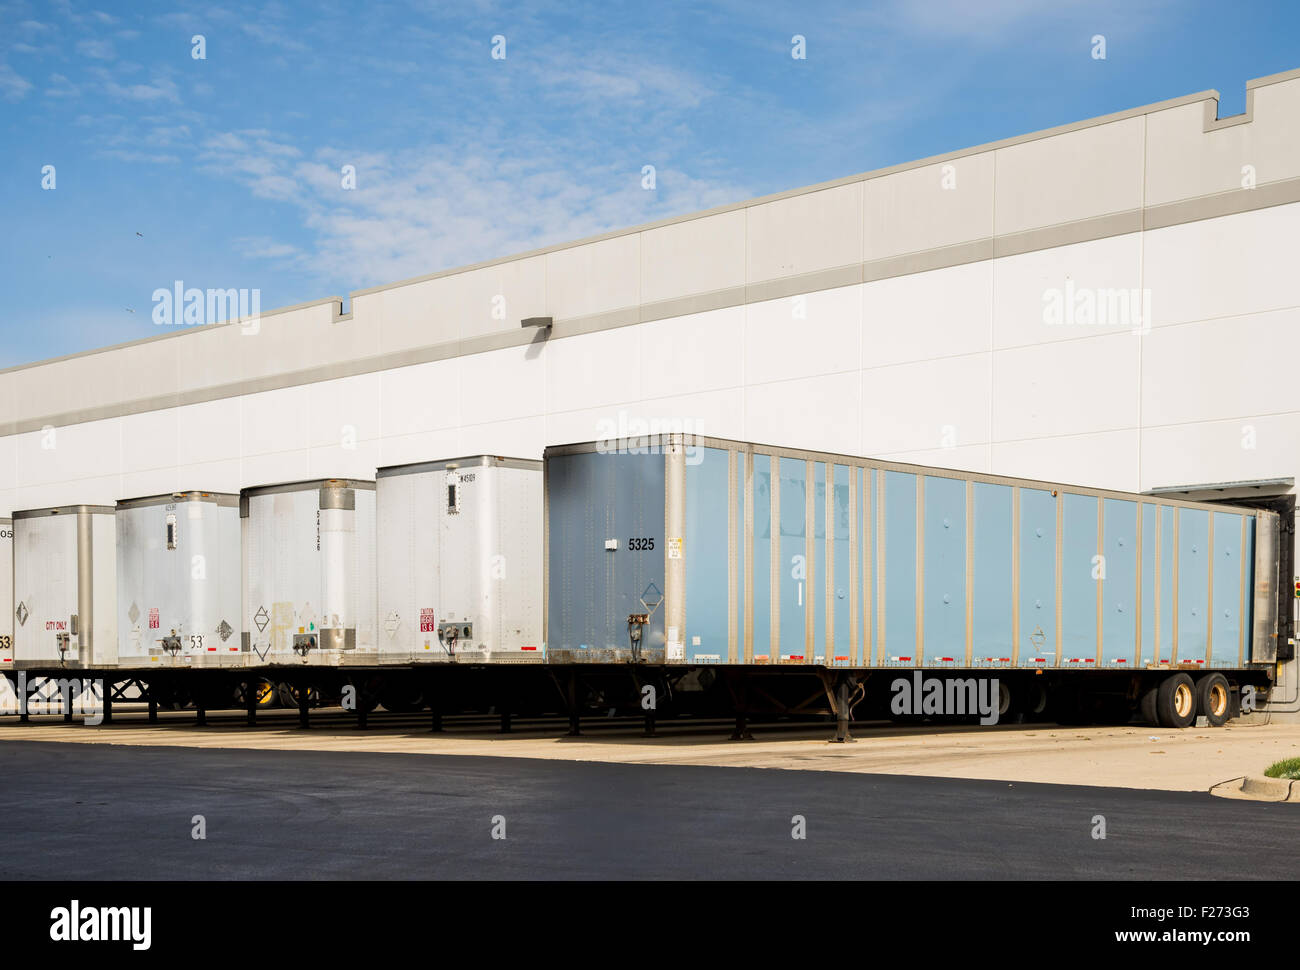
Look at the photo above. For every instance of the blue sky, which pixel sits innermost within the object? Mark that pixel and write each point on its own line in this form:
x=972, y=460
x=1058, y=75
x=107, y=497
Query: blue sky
x=225, y=171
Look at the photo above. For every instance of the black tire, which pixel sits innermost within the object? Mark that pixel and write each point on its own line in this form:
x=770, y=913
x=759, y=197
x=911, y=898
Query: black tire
x=171, y=697
x=1214, y=699
x=263, y=690
x=1147, y=706
x=287, y=694
x=1008, y=704
x=1176, y=701
x=1034, y=703
x=401, y=696
x=358, y=694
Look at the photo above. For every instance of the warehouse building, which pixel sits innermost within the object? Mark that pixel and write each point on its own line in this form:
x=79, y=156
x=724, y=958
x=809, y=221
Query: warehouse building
x=1095, y=304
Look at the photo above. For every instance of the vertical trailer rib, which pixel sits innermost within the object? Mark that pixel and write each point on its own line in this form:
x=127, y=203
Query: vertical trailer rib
x=1241, y=608
x=1209, y=593
x=854, y=528
x=970, y=571
x=918, y=656
x=1015, y=575
x=732, y=563
x=867, y=482
x=1137, y=589
x=774, y=651
x=1173, y=650
x=1060, y=557
x=749, y=557
x=828, y=499
x=1101, y=574
x=810, y=562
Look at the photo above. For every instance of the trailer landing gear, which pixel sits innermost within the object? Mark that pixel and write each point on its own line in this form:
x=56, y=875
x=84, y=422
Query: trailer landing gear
x=742, y=732
x=571, y=701
x=845, y=692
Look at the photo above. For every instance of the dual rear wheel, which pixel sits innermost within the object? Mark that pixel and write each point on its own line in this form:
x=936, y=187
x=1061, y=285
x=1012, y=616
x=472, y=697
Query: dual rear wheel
x=1177, y=700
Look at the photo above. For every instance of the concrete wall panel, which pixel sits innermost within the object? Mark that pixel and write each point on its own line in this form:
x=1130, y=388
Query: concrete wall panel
x=701, y=256
x=805, y=233
x=1081, y=174
x=929, y=207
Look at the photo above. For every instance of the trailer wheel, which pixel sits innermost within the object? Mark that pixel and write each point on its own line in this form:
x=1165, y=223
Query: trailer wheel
x=1176, y=701
x=1214, y=699
x=263, y=691
x=1034, y=701
x=1007, y=712
x=401, y=698
x=287, y=694
x=1148, y=708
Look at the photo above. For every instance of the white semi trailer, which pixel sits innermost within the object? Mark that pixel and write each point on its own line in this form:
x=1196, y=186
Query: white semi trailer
x=65, y=587
x=178, y=580
x=309, y=572
x=460, y=566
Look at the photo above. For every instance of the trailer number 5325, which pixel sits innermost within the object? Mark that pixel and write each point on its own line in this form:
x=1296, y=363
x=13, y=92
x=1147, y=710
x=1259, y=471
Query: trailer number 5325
x=640, y=545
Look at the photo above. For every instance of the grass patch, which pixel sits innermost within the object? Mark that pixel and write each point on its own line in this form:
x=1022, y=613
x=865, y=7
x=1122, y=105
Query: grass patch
x=1289, y=769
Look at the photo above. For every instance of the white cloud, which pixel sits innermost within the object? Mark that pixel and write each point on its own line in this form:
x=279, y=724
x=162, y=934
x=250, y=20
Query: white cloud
x=273, y=36
x=439, y=206
x=160, y=89
x=151, y=158
x=61, y=87
x=98, y=48
x=13, y=86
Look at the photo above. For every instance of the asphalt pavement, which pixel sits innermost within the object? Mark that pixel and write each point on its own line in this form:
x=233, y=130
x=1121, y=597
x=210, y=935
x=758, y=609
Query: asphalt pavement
x=92, y=812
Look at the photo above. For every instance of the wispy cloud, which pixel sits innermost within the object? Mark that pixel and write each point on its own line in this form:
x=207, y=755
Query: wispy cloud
x=437, y=206
x=99, y=48
x=13, y=86
x=158, y=89
x=273, y=36
x=61, y=87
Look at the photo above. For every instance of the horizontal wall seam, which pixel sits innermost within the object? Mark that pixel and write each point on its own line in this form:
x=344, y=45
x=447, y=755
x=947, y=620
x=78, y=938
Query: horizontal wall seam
x=1267, y=195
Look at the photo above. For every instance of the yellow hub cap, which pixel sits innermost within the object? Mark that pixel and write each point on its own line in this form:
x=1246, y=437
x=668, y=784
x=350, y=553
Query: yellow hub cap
x=1183, y=700
x=1218, y=699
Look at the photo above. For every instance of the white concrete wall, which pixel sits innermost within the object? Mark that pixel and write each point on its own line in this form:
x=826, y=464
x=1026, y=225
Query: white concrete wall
x=953, y=367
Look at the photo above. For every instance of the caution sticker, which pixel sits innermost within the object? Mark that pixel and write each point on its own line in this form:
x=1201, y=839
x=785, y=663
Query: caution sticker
x=674, y=548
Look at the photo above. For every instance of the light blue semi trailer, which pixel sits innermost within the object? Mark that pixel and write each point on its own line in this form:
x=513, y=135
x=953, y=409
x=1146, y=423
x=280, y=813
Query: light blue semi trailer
x=742, y=560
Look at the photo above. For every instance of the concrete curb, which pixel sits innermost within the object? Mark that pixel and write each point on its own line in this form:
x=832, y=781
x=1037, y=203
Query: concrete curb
x=1258, y=788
